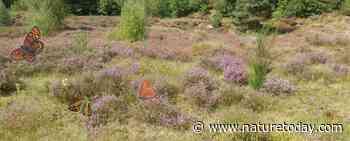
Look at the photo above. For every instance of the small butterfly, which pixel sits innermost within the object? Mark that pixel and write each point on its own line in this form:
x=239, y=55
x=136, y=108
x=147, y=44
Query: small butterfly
x=81, y=105
x=147, y=93
x=32, y=45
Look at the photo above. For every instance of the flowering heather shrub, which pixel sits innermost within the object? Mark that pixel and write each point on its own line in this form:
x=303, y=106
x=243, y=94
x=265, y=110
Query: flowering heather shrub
x=235, y=73
x=162, y=53
x=107, y=108
x=278, y=86
x=296, y=65
x=134, y=68
x=72, y=64
x=112, y=81
x=174, y=119
x=121, y=51
x=199, y=76
x=299, y=63
x=201, y=96
x=8, y=82
x=234, y=68
x=163, y=115
x=108, y=81
x=340, y=70
x=166, y=90
x=317, y=57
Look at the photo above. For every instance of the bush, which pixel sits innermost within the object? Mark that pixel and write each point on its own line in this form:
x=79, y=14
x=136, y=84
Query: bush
x=305, y=8
x=248, y=14
x=8, y=82
x=215, y=19
x=48, y=15
x=163, y=115
x=226, y=7
x=110, y=81
x=230, y=95
x=105, y=109
x=133, y=21
x=110, y=7
x=278, y=86
x=345, y=9
x=199, y=76
x=5, y=18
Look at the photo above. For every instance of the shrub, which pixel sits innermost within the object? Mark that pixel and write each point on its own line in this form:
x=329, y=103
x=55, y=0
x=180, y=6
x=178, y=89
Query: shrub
x=248, y=14
x=258, y=102
x=278, y=86
x=8, y=82
x=166, y=90
x=133, y=21
x=109, y=81
x=4, y=15
x=259, y=65
x=215, y=19
x=345, y=9
x=226, y=7
x=48, y=15
x=159, y=8
x=305, y=8
x=110, y=7
x=201, y=96
x=161, y=53
x=105, y=109
x=230, y=95
x=163, y=115
x=197, y=76
x=235, y=73
x=200, y=88
x=340, y=70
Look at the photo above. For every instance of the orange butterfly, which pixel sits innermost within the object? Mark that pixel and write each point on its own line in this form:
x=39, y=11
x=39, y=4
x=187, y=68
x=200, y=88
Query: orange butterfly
x=147, y=93
x=32, y=46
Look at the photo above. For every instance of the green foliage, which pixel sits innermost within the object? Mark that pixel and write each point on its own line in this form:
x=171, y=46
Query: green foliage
x=226, y=7
x=159, y=8
x=48, y=15
x=83, y=7
x=259, y=65
x=249, y=14
x=4, y=15
x=305, y=8
x=215, y=19
x=110, y=7
x=132, y=26
x=345, y=9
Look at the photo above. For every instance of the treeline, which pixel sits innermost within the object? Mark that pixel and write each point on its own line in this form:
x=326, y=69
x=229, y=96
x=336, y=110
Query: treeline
x=247, y=14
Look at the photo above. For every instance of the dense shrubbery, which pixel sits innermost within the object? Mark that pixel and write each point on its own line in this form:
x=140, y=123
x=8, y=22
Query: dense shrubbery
x=4, y=15
x=48, y=15
x=8, y=82
x=110, y=7
x=305, y=8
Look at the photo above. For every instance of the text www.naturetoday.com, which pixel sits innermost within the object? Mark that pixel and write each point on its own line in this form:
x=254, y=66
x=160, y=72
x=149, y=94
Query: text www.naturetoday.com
x=281, y=127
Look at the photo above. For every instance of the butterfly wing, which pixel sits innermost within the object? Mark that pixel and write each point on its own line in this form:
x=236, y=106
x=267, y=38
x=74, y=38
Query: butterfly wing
x=38, y=46
x=29, y=57
x=36, y=33
x=146, y=91
x=33, y=38
x=17, y=54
